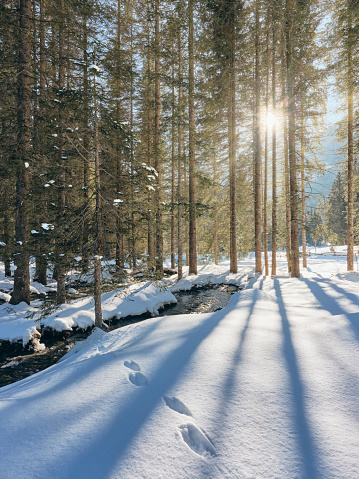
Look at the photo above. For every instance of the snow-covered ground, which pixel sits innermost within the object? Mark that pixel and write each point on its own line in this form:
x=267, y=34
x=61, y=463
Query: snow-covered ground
x=266, y=388
x=22, y=322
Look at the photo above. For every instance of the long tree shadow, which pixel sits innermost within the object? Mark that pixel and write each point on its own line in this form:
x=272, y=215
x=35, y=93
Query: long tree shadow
x=305, y=438
x=330, y=304
x=229, y=384
x=114, y=439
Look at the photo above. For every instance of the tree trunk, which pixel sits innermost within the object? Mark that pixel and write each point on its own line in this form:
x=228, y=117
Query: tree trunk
x=286, y=168
x=6, y=250
x=257, y=153
x=290, y=9
x=274, y=150
x=350, y=231
x=179, y=176
x=86, y=154
x=157, y=146
x=173, y=263
x=119, y=233
x=192, y=236
x=151, y=262
x=61, y=198
x=99, y=229
x=265, y=186
x=302, y=174
x=132, y=200
x=232, y=152
x=21, y=290
x=215, y=229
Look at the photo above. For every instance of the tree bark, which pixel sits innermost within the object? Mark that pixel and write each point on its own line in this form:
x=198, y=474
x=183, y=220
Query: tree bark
x=86, y=153
x=173, y=263
x=21, y=290
x=179, y=176
x=132, y=158
x=257, y=151
x=232, y=150
x=215, y=228
x=350, y=230
x=41, y=268
x=61, y=198
x=191, y=153
x=157, y=146
x=6, y=237
x=265, y=186
x=290, y=9
x=99, y=228
x=151, y=263
x=274, y=150
x=302, y=175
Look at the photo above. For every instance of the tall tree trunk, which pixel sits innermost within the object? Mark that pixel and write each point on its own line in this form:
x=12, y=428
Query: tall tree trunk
x=257, y=151
x=215, y=211
x=232, y=150
x=41, y=261
x=173, y=263
x=21, y=290
x=274, y=149
x=61, y=198
x=132, y=201
x=186, y=227
x=290, y=10
x=42, y=50
x=151, y=263
x=99, y=229
x=191, y=152
x=157, y=146
x=119, y=233
x=286, y=165
x=86, y=153
x=302, y=177
x=265, y=186
x=179, y=176
x=350, y=230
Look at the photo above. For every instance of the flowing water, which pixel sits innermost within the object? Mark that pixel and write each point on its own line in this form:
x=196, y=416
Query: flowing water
x=17, y=363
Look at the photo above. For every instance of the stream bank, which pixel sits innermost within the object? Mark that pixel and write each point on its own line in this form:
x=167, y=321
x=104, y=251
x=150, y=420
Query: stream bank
x=18, y=363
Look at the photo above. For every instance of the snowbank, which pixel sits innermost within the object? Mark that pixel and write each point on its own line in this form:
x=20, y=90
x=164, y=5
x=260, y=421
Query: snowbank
x=210, y=274
x=16, y=324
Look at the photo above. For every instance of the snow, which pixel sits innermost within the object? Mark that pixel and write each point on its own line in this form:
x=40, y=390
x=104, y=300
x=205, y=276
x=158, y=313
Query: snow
x=17, y=323
x=211, y=274
x=266, y=388
x=47, y=226
x=95, y=68
x=4, y=296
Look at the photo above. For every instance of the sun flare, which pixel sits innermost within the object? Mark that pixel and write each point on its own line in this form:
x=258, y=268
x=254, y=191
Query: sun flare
x=271, y=119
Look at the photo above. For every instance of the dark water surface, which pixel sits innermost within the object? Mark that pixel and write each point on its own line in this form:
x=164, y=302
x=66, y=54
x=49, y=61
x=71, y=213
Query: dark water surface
x=25, y=362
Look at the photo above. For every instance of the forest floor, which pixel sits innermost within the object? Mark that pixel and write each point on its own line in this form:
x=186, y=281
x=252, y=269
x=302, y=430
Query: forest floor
x=267, y=387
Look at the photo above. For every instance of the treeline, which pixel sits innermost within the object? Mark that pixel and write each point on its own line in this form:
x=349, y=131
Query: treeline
x=140, y=129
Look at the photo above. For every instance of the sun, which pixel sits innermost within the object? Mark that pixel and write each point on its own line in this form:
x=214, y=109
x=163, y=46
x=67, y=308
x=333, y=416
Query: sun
x=271, y=119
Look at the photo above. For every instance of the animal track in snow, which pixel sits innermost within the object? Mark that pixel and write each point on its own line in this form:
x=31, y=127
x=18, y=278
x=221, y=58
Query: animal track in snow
x=176, y=405
x=132, y=365
x=138, y=379
x=197, y=440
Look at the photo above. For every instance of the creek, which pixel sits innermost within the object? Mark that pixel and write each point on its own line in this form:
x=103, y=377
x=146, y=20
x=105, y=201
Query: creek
x=18, y=363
